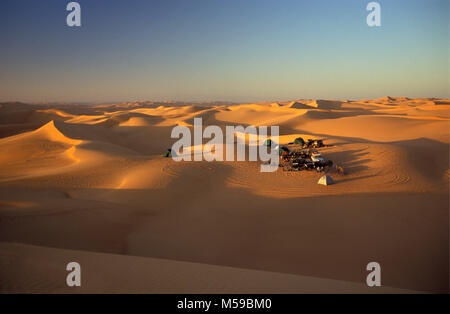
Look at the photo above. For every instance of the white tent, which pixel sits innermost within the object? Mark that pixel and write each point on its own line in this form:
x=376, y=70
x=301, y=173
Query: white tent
x=326, y=180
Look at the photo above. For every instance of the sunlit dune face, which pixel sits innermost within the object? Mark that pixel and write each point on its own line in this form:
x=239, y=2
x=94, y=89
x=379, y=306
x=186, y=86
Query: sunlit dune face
x=120, y=145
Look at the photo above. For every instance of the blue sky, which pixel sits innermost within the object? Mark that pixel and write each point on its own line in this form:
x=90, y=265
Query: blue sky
x=237, y=50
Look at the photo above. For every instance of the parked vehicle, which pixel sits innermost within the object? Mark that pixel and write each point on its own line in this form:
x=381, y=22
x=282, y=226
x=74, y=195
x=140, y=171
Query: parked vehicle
x=318, y=163
x=314, y=144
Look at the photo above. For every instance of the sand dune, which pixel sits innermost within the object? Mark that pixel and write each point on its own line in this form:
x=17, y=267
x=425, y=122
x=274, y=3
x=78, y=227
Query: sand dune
x=381, y=128
x=90, y=182
x=40, y=268
x=45, y=150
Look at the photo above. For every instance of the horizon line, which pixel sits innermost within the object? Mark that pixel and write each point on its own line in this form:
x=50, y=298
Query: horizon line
x=200, y=101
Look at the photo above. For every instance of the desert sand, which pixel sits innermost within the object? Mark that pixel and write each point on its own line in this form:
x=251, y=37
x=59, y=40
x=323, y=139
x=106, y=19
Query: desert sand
x=89, y=183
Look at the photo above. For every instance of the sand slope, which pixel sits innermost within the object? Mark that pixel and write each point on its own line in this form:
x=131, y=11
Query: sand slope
x=44, y=270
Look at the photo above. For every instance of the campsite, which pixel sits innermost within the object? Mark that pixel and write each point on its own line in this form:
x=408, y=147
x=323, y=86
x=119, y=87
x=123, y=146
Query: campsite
x=103, y=168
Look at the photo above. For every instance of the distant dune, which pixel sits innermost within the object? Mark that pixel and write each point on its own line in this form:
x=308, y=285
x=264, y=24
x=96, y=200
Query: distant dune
x=89, y=182
x=318, y=104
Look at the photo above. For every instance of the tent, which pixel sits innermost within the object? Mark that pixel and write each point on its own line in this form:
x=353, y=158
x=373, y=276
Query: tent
x=168, y=153
x=326, y=180
x=299, y=141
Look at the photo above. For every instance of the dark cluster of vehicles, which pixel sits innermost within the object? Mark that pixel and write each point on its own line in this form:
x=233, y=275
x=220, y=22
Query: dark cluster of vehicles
x=307, y=158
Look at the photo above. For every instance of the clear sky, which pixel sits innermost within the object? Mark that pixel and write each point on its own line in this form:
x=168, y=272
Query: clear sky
x=236, y=50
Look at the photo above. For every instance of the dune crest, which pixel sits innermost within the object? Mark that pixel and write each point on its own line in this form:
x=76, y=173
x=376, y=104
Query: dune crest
x=51, y=132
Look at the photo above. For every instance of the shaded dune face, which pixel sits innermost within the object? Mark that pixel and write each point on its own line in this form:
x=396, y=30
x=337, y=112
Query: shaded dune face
x=96, y=175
